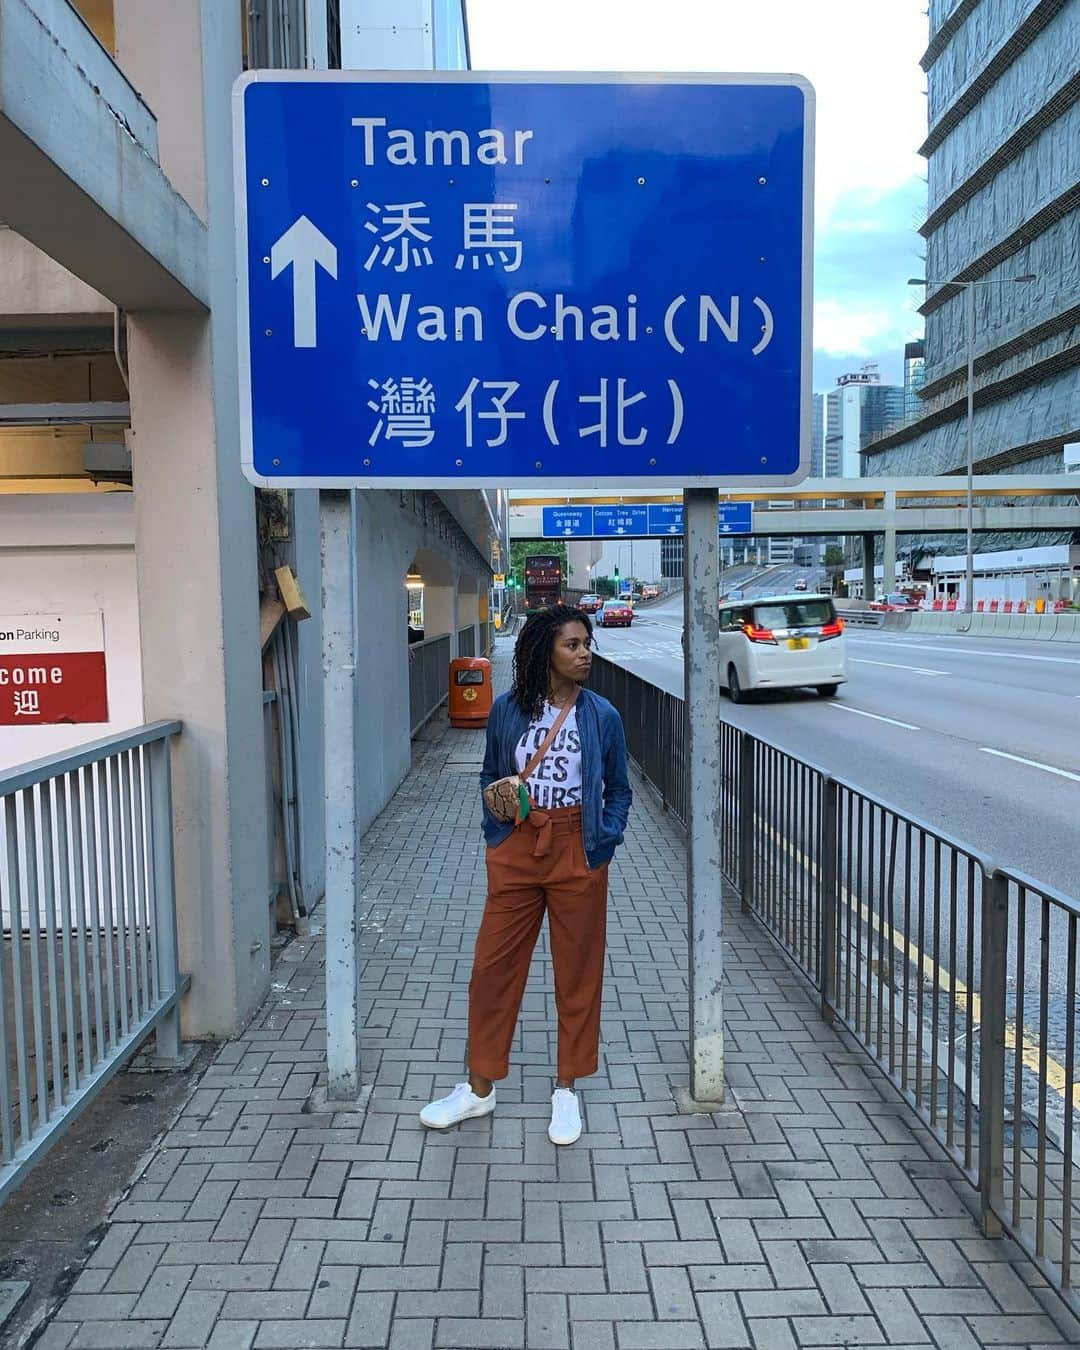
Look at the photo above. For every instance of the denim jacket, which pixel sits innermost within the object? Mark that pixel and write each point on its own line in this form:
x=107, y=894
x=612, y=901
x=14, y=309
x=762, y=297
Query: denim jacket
x=605, y=787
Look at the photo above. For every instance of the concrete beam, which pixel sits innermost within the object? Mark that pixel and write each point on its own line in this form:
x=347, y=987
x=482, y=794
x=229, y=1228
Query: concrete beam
x=836, y=489
x=918, y=520
x=100, y=413
x=81, y=179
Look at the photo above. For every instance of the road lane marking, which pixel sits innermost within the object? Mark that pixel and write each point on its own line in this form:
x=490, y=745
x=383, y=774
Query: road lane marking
x=846, y=707
x=919, y=670
x=965, y=651
x=1032, y=763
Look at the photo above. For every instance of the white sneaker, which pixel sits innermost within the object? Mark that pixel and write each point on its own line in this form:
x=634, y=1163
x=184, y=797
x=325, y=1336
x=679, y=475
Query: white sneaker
x=461, y=1104
x=565, y=1125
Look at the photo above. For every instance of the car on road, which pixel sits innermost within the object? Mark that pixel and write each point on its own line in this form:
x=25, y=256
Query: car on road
x=782, y=642
x=801, y=584
x=616, y=614
x=734, y=595
x=649, y=592
x=894, y=602
x=590, y=603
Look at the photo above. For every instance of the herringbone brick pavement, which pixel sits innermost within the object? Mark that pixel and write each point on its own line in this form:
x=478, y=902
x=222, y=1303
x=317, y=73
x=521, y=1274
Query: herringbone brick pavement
x=815, y=1212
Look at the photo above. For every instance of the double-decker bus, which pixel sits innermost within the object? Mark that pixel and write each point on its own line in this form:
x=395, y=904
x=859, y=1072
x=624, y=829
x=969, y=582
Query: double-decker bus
x=543, y=580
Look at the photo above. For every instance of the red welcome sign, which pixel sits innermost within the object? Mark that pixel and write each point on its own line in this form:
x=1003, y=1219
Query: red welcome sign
x=52, y=670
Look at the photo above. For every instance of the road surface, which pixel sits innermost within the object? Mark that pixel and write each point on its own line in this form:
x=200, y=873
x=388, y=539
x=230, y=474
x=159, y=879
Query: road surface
x=978, y=736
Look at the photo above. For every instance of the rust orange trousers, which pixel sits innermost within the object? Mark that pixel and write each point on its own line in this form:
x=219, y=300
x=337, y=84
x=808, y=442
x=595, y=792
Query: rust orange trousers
x=541, y=867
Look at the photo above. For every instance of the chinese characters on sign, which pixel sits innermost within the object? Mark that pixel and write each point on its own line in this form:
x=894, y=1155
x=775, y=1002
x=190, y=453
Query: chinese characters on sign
x=52, y=669
x=639, y=520
x=523, y=278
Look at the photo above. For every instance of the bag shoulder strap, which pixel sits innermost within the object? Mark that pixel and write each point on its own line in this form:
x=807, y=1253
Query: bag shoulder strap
x=533, y=763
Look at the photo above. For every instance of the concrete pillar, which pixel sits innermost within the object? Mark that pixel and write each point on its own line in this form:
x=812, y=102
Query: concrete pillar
x=383, y=549
x=195, y=532
x=468, y=608
x=455, y=609
x=869, y=591
x=440, y=593
x=889, y=559
x=888, y=570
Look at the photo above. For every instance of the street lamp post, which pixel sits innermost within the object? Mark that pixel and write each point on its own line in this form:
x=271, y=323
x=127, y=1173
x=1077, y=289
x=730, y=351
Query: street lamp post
x=969, y=331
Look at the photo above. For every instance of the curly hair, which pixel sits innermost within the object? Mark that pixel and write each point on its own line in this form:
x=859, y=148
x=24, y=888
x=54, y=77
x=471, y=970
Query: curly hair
x=532, y=654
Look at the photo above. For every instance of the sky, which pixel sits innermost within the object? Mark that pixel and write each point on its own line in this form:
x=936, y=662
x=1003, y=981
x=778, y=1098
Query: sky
x=862, y=57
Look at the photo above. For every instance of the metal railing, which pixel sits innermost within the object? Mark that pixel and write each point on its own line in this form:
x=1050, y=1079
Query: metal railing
x=466, y=641
x=958, y=977
x=88, y=967
x=429, y=679
x=866, y=618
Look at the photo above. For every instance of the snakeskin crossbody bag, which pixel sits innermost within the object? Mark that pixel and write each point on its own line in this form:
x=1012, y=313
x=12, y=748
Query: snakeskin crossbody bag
x=508, y=798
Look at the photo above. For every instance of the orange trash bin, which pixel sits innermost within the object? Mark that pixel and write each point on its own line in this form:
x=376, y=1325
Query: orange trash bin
x=470, y=691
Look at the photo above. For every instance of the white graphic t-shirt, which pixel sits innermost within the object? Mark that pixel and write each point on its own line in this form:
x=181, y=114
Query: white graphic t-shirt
x=556, y=781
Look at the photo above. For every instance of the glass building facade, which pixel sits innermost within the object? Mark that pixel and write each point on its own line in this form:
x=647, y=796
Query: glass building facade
x=1003, y=156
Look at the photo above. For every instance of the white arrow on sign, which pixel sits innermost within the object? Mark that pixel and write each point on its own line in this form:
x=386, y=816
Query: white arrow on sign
x=726, y=528
x=302, y=246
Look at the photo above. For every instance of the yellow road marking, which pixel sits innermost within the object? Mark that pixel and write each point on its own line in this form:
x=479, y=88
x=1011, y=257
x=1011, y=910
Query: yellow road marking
x=1056, y=1077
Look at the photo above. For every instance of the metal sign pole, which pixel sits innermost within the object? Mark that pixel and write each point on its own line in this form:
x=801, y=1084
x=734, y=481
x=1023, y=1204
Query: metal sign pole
x=702, y=690
x=342, y=882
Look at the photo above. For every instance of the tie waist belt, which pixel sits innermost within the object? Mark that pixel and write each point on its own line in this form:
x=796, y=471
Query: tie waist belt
x=563, y=820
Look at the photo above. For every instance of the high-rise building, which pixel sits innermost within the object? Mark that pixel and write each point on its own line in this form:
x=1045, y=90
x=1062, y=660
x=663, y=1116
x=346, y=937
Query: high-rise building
x=1004, y=202
x=914, y=377
x=817, y=438
x=857, y=410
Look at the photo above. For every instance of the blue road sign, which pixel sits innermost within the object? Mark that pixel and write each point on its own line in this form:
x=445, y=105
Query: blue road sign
x=624, y=521
x=464, y=280
x=567, y=522
x=626, y=586
x=665, y=518
x=736, y=518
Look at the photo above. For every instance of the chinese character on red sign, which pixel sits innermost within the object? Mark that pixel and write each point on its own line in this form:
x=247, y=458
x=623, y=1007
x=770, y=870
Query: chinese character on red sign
x=53, y=687
x=52, y=669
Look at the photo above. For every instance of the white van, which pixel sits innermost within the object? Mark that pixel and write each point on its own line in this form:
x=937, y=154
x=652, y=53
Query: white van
x=782, y=642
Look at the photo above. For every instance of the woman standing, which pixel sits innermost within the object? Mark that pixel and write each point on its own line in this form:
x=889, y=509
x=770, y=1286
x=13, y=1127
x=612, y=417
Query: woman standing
x=567, y=745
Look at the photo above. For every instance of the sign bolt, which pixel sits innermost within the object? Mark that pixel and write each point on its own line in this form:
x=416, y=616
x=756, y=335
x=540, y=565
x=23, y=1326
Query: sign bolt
x=367, y=463
x=355, y=182
x=652, y=463
x=641, y=182
x=277, y=463
x=266, y=182
x=649, y=328
x=459, y=462
x=269, y=332
x=267, y=258
x=539, y=464
x=761, y=181
x=764, y=459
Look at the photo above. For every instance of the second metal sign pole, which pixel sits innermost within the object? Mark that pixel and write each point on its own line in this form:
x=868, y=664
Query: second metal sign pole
x=702, y=692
